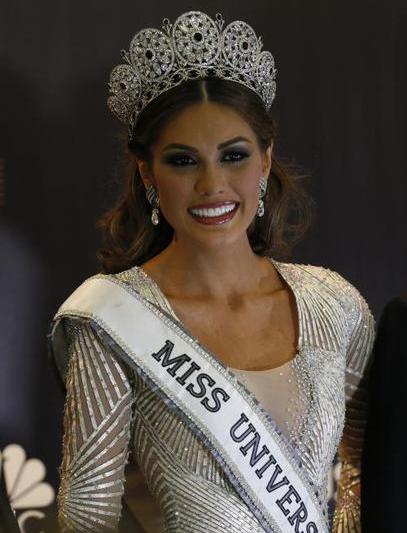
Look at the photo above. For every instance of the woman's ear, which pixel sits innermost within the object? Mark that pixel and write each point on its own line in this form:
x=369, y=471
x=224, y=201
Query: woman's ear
x=267, y=159
x=145, y=172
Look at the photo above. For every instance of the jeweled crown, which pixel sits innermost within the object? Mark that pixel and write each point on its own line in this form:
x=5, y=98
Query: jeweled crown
x=195, y=46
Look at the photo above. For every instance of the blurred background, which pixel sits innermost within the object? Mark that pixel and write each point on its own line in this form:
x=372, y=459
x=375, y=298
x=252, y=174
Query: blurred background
x=341, y=110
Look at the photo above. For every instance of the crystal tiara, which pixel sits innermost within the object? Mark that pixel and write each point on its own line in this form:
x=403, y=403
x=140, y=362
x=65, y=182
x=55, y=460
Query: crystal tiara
x=195, y=46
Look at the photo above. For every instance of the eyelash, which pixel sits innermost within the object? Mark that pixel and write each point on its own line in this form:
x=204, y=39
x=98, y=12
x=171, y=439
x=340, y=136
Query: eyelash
x=175, y=159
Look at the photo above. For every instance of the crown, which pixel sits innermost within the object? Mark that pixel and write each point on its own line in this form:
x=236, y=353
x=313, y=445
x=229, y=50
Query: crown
x=194, y=46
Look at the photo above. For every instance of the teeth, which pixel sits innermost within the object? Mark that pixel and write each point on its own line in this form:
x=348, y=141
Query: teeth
x=216, y=212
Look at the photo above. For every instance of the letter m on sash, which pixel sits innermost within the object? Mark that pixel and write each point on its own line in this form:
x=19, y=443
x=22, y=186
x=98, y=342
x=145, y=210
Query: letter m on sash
x=165, y=353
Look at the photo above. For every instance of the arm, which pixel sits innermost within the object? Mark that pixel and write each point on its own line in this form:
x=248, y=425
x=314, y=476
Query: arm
x=361, y=337
x=97, y=425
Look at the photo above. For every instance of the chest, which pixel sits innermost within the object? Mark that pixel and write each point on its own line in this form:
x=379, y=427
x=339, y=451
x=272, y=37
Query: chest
x=258, y=335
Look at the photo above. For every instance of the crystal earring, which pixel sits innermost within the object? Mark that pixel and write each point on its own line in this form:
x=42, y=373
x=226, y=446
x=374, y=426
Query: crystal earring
x=262, y=192
x=154, y=201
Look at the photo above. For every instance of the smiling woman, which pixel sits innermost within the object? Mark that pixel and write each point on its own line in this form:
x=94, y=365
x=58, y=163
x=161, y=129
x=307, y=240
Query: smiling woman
x=209, y=383
x=171, y=118
x=204, y=176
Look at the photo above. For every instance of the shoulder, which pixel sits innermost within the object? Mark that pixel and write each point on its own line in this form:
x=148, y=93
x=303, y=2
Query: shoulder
x=324, y=288
x=95, y=291
x=101, y=292
x=333, y=285
x=78, y=326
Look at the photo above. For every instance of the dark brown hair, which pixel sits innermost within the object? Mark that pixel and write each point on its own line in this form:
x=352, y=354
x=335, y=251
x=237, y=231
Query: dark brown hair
x=129, y=238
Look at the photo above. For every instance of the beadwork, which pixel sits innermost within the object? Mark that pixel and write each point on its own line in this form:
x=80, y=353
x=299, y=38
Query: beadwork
x=182, y=469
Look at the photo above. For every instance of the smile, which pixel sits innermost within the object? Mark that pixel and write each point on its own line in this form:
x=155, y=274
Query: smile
x=214, y=215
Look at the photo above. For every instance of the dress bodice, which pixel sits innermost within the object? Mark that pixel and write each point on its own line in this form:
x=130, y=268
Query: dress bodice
x=122, y=440
x=280, y=392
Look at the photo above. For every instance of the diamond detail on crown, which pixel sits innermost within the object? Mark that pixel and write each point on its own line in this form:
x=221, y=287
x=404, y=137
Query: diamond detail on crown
x=195, y=46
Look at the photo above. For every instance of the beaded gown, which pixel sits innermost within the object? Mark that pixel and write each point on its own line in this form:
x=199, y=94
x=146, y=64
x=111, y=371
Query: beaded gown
x=122, y=442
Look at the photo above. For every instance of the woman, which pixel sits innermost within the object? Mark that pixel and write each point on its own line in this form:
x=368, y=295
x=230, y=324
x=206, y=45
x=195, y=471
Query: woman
x=207, y=382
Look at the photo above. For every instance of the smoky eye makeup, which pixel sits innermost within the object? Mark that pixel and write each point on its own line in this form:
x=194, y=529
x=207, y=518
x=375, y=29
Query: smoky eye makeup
x=229, y=155
x=179, y=159
x=237, y=154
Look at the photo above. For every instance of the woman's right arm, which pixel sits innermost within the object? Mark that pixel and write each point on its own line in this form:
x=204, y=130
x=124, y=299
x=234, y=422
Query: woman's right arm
x=97, y=426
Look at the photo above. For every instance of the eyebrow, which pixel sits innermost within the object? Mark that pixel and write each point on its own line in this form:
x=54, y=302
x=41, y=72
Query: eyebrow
x=192, y=149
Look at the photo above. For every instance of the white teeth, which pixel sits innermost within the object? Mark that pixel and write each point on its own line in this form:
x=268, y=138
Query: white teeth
x=216, y=212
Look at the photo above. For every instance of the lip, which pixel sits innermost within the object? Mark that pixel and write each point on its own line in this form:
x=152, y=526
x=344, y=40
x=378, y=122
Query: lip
x=212, y=206
x=221, y=219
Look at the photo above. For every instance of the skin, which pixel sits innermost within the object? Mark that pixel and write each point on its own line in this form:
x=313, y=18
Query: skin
x=233, y=301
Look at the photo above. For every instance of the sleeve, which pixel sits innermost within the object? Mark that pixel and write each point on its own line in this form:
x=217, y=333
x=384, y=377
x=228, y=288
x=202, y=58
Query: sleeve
x=358, y=363
x=97, y=424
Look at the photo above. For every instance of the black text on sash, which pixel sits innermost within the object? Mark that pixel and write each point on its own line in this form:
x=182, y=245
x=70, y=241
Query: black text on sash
x=185, y=372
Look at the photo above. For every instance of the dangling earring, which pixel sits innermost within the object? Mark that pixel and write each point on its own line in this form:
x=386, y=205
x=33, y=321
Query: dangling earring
x=262, y=192
x=154, y=201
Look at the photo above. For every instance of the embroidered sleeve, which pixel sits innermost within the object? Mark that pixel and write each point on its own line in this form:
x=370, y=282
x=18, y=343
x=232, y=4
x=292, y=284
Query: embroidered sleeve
x=362, y=328
x=97, y=425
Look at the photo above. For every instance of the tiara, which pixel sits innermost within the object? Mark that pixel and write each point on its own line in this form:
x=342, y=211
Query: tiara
x=195, y=46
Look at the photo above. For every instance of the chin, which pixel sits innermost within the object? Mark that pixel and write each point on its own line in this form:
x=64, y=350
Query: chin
x=212, y=235
x=216, y=239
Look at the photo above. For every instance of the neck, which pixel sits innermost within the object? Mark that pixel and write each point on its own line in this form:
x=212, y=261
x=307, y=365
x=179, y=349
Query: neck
x=212, y=272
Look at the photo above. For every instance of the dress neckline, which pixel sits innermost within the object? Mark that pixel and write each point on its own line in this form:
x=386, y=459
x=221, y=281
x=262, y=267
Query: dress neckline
x=280, y=269
x=265, y=370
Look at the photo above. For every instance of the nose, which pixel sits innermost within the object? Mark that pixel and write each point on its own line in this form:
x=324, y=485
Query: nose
x=210, y=181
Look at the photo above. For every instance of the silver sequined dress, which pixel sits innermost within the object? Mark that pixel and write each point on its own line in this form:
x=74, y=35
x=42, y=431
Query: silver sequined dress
x=122, y=442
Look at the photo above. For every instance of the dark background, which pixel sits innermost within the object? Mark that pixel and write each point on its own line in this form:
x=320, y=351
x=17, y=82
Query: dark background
x=341, y=110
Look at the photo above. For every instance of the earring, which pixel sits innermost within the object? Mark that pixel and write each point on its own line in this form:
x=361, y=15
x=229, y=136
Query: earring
x=154, y=201
x=262, y=192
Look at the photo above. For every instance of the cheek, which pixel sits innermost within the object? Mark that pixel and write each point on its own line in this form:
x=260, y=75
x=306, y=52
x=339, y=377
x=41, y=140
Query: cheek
x=247, y=176
x=249, y=190
x=174, y=196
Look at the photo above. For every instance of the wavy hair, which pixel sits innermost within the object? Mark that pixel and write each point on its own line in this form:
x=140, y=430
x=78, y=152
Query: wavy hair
x=130, y=239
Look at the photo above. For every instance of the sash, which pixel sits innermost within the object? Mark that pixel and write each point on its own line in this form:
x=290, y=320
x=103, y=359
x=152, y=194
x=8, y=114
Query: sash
x=254, y=454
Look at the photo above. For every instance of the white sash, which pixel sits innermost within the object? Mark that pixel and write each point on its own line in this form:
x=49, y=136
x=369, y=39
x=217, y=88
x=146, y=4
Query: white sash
x=254, y=455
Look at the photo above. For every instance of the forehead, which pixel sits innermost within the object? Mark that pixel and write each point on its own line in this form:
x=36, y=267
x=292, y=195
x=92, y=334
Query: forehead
x=206, y=124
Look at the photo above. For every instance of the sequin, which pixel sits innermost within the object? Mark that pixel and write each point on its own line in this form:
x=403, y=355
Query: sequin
x=117, y=430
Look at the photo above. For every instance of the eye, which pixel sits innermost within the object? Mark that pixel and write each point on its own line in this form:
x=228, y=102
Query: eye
x=180, y=160
x=235, y=156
